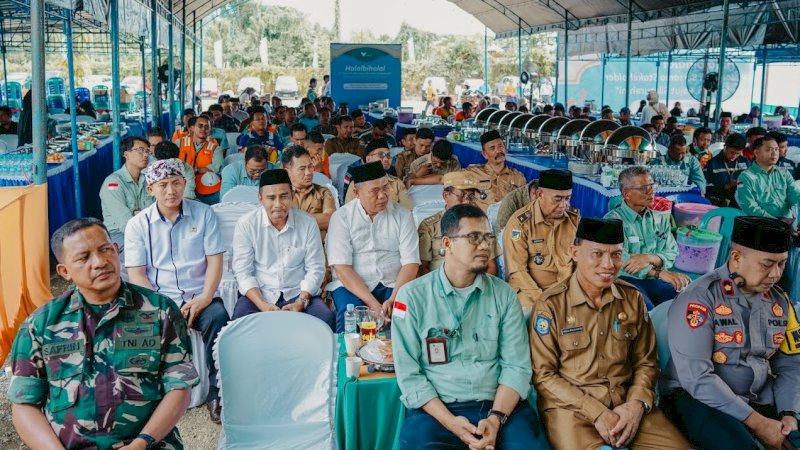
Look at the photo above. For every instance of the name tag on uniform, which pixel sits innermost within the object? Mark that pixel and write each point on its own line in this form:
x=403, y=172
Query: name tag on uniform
x=634, y=239
x=437, y=350
x=61, y=348
x=138, y=343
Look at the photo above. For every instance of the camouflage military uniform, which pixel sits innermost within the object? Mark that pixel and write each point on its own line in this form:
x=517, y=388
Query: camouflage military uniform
x=100, y=371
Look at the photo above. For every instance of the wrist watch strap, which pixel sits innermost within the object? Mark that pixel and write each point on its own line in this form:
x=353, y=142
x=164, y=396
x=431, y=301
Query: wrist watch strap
x=151, y=441
x=500, y=415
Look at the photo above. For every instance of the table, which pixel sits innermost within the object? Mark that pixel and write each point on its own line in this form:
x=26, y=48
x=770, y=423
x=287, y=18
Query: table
x=369, y=413
x=590, y=197
x=440, y=131
x=794, y=140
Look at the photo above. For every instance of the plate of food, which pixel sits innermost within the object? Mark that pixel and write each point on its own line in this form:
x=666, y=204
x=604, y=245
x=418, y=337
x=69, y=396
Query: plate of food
x=378, y=354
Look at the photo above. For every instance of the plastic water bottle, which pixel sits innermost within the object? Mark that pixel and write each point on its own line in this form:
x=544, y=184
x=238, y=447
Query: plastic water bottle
x=350, y=319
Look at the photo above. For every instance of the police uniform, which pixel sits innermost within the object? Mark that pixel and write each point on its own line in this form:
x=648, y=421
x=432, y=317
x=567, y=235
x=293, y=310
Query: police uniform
x=733, y=352
x=403, y=162
x=537, y=250
x=501, y=183
x=451, y=165
x=589, y=359
x=314, y=200
x=397, y=192
x=99, y=371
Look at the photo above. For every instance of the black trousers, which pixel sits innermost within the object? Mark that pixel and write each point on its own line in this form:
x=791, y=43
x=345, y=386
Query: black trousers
x=709, y=428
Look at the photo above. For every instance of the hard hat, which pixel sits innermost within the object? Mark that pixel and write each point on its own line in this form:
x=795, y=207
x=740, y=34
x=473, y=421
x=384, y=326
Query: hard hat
x=209, y=179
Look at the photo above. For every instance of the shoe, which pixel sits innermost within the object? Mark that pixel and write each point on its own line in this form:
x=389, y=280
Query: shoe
x=215, y=410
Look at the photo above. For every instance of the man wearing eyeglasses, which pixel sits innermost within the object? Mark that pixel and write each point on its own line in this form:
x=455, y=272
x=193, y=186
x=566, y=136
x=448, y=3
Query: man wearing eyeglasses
x=460, y=188
x=124, y=192
x=503, y=179
x=460, y=348
x=678, y=157
x=429, y=169
x=650, y=247
x=307, y=196
x=204, y=155
x=764, y=190
x=594, y=353
x=372, y=244
x=378, y=150
x=537, y=238
x=247, y=172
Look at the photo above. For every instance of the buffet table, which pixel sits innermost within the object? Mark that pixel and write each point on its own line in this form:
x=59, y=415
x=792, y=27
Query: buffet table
x=588, y=196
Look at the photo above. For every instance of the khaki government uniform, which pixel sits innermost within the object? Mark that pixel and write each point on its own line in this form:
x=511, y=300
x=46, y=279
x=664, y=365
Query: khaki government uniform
x=397, y=193
x=537, y=252
x=502, y=184
x=587, y=360
x=518, y=198
x=430, y=241
x=403, y=162
x=451, y=165
x=338, y=145
x=315, y=200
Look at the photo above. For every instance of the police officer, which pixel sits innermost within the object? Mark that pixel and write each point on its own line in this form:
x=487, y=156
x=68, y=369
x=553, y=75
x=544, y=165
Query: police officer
x=460, y=188
x=537, y=238
x=503, y=179
x=733, y=336
x=105, y=365
x=594, y=353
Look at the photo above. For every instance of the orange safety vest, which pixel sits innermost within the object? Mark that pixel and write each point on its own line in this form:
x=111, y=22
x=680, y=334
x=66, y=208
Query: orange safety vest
x=189, y=155
x=180, y=133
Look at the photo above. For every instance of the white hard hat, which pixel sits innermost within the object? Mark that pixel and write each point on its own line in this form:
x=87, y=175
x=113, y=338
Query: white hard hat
x=209, y=179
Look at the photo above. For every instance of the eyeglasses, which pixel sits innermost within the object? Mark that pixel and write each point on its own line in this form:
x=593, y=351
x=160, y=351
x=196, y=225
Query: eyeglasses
x=384, y=155
x=477, y=238
x=468, y=196
x=203, y=127
x=141, y=150
x=652, y=187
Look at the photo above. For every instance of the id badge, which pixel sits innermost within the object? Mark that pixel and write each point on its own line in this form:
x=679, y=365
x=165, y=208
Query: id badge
x=437, y=350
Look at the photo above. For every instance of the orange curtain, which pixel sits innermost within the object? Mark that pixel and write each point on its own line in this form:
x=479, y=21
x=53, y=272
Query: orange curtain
x=24, y=258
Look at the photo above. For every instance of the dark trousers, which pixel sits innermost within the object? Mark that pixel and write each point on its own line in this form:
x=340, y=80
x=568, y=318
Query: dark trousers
x=342, y=297
x=421, y=431
x=210, y=321
x=709, y=428
x=654, y=291
x=316, y=307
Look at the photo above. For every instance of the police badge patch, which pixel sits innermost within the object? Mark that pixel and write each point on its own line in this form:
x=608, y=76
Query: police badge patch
x=542, y=323
x=696, y=315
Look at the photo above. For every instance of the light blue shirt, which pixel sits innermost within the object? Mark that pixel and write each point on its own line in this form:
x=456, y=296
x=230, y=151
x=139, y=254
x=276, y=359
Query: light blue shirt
x=649, y=234
x=235, y=175
x=490, y=349
x=309, y=123
x=174, y=254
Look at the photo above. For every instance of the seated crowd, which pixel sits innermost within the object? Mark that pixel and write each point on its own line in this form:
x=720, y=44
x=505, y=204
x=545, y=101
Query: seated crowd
x=108, y=364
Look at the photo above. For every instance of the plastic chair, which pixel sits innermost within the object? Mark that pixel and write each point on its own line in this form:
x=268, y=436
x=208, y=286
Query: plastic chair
x=83, y=94
x=245, y=194
x=233, y=138
x=321, y=179
x=491, y=212
x=11, y=141
x=233, y=158
x=13, y=95
x=727, y=216
x=101, y=98
x=228, y=213
x=687, y=197
x=291, y=404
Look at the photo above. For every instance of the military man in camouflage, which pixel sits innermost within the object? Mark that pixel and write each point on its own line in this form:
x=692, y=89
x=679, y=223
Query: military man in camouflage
x=107, y=364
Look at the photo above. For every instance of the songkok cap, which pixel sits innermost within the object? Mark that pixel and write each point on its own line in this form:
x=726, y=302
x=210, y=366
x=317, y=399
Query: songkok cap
x=490, y=136
x=761, y=233
x=602, y=231
x=368, y=172
x=274, y=176
x=464, y=180
x=558, y=179
x=163, y=169
x=725, y=114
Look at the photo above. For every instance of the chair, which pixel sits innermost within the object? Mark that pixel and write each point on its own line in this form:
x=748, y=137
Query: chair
x=228, y=213
x=83, y=94
x=321, y=179
x=60, y=118
x=659, y=316
x=334, y=193
x=501, y=259
x=291, y=404
x=11, y=141
x=199, y=392
x=491, y=212
x=396, y=151
x=424, y=210
x=233, y=139
x=687, y=197
x=716, y=148
x=244, y=194
x=328, y=136
x=233, y=158
x=727, y=216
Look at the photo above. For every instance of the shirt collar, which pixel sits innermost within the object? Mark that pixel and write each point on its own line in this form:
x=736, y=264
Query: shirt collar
x=448, y=288
x=268, y=223
x=364, y=214
x=126, y=176
x=629, y=214
x=124, y=298
x=578, y=295
x=158, y=216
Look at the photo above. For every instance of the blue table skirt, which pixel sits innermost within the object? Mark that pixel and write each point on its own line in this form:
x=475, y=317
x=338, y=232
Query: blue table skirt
x=589, y=197
x=794, y=141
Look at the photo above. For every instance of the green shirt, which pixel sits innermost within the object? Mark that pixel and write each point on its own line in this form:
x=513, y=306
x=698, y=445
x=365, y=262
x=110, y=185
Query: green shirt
x=100, y=372
x=120, y=196
x=689, y=165
x=766, y=194
x=491, y=346
x=649, y=233
x=235, y=175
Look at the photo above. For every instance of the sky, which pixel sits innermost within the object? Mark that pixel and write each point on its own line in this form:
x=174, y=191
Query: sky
x=386, y=16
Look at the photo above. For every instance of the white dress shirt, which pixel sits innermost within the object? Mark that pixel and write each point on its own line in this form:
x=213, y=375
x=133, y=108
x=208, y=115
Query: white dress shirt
x=286, y=261
x=174, y=254
x=376, y=248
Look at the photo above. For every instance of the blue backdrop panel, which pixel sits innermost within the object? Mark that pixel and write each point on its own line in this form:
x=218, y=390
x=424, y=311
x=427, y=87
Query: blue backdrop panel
x=364, y=73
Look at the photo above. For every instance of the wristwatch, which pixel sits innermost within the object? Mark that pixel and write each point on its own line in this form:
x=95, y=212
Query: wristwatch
x=500, y=415
x=305, y=303
x=647, y=407
x=151, y=441
x=788, y=413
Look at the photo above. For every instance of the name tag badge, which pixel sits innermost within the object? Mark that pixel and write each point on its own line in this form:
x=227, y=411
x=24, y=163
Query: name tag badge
x=437, y=350
x=61, y=348
x=633, y=239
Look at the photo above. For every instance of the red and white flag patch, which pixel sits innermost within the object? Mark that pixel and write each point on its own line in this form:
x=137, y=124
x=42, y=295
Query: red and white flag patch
x=399, y=309
x=113, y=186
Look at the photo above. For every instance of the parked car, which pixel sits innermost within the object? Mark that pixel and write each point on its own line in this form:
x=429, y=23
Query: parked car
x=286, y=87
x=439, y=85
x=210, y=87
x=250, y=82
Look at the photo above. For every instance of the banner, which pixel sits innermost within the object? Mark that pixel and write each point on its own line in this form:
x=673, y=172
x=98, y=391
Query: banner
x=364, y=73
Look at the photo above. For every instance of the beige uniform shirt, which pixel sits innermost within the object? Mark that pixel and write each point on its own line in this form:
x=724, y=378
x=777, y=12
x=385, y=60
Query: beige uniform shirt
x=518, y=198
x=587, y=359
x=502, y=184
x=397, y=193
x=403, y=163
x=537, y=252
x=452, y=165
x=339, y=145
x=430, y=241
x=315, y=200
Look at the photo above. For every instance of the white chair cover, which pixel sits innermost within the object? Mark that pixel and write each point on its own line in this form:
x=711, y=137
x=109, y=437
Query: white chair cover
x=338, y=163
x=328, y=136
x=241, y=194
x=659, y=316
x=501, y=260
x=335, y=193
x=233, y=158
x=4, y=148
x=716, y=148
x=277, y=382
x=11, y=141
x=396, y=151
x=491, y=212
x=793, y=153
x=233, y=138
x=227, y=216
x=426, y=193
x=200, y=391
x=424, y=210
x=321, y=179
